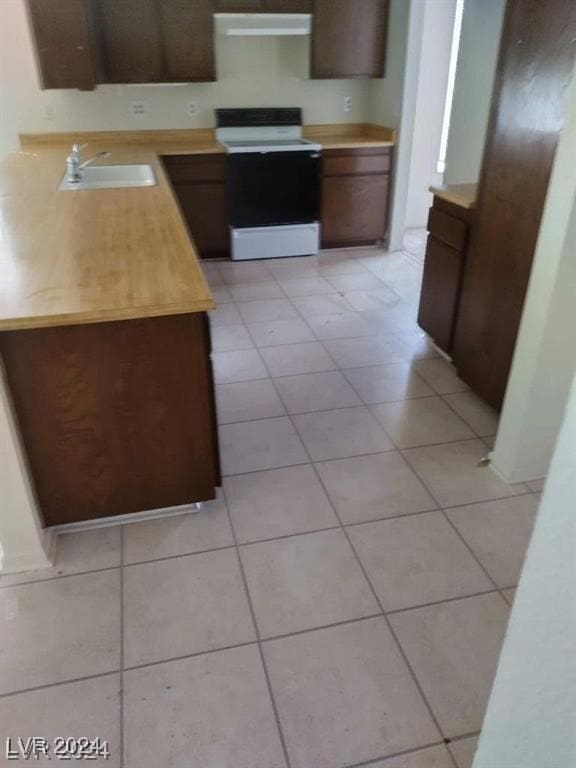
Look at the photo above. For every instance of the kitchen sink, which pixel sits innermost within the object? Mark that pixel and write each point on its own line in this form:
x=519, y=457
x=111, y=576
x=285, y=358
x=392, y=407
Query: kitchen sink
x=111, y=176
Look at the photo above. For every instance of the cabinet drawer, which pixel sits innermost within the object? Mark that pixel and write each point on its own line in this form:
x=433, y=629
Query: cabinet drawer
x=446, y=228
x=356, y=163
x=183, y=168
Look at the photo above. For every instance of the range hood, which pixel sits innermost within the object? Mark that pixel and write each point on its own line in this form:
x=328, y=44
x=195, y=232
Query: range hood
x=263, y=24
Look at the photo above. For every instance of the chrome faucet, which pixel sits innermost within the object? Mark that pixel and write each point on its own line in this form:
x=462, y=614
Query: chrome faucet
x=74, y=164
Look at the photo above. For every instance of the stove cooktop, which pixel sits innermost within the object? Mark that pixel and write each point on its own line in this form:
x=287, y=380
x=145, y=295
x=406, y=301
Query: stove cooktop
x=269, y=145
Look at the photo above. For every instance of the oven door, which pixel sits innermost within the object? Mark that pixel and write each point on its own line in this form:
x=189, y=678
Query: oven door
x=274, y=188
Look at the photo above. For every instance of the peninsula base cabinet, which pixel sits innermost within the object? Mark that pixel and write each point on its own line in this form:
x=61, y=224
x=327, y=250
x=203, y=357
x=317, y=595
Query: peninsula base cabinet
x=199, y=183
x=115, y=417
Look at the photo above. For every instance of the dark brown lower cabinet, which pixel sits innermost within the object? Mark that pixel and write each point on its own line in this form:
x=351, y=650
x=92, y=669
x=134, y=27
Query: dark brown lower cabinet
x=63, y=34
x=355, y=191
x=115, y=417
x=205, y=208
x=535, y=66
x=199, y=182
x=448, y=227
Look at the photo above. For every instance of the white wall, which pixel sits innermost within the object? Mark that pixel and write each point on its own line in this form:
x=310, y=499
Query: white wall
x=251, y=72
x=411, y=99
x=531, y=717
x=477, y=58
x=386, y=94
x=393, y=100
x=430, y=101
x=23, y=543
x=544, y=360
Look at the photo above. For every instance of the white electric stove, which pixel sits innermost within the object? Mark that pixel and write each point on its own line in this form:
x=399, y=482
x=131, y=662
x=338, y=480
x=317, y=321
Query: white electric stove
x=274, y=183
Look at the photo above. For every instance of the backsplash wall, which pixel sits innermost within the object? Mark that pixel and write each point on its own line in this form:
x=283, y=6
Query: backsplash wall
x=251, y=72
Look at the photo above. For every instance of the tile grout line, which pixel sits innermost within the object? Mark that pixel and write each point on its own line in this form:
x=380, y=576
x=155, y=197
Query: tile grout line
x=273, y=538
x=386, y=619
x=258, y=638
x=374, y=762
x=449, y=405
x=447, y=518
x=247, y=643
x=34, y=688
x=355, y=456
x=378, y=602
x=475, y=556
x=434, y=603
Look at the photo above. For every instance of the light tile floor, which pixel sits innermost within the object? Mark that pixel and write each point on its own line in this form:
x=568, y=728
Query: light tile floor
x=343, y=601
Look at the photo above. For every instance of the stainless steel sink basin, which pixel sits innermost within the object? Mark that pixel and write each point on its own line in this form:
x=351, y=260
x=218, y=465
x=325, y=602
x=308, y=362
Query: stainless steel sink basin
x=111, y=176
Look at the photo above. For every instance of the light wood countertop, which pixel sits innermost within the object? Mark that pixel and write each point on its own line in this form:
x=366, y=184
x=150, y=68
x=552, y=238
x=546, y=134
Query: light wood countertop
x=113, y=254
x=463, y=195
x=351, y=136
x=93, y=255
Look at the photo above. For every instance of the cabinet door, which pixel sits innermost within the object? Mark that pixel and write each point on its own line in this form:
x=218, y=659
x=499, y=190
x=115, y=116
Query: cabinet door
x=63, y=35
x=349, y=38
x=116, y=417
x=354, y=209
x=131, y=41
x=205, y=209
x=188, y=40
x=440, y=291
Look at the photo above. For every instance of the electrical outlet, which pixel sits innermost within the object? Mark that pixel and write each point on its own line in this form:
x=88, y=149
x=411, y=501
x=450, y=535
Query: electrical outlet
x=192, y=109
x=139, y=108
x=347, y=104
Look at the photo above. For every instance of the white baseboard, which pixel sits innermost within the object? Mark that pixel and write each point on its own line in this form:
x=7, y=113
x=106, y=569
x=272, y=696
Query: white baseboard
x=29, y=561
x=133, y=517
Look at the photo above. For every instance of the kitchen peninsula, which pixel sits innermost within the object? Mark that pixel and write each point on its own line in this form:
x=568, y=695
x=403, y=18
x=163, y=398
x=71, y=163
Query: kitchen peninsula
x=104, y=332
x=105, y=341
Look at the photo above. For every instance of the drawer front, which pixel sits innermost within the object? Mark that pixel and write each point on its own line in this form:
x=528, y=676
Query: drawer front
x=446, y=228
x=356, y=163
x=182, y=168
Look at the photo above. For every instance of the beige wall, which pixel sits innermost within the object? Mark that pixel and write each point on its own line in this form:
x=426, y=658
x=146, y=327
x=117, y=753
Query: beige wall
x=251, y=72
x=530, y=717
x=477, y=57
x=386, y=94
x=437, y=31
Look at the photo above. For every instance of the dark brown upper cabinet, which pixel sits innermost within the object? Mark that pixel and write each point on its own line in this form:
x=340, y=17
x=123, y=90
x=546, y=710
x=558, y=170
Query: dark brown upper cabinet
x=349, y=38
x=263, y=6
x=188, y=40
x=147, y=41
x=130, y=40
x=81, y=43
x=63, y=35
